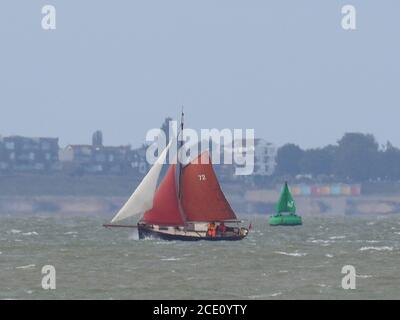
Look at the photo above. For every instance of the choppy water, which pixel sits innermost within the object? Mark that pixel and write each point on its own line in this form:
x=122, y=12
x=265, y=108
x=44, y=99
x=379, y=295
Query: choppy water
x=272, y=263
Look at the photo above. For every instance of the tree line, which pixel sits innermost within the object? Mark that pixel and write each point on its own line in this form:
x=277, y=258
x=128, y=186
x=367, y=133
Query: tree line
x=356, y=157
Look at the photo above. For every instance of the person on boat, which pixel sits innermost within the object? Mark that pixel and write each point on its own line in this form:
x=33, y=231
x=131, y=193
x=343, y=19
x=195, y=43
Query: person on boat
x=211, y=232
x=221, y=229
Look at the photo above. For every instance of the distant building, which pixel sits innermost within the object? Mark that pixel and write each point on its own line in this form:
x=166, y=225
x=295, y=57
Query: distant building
x=138, y=160
x=97, y=139
x=264, y=159
x=28, y=154
x=98, y=159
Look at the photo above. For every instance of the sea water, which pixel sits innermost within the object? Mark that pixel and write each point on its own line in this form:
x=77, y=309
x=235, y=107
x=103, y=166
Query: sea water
x=303, y=262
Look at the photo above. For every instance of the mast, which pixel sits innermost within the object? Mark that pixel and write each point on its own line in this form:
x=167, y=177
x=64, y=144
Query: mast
x=180, y=144
x=179, y=169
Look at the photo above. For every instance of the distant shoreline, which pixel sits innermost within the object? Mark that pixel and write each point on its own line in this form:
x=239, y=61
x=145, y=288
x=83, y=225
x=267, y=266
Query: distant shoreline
x=107, y=206
x=104, y=195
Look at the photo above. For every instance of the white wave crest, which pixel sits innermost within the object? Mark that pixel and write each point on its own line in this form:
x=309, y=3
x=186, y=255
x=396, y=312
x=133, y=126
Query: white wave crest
x=385, y=248
x=170, y=259
x=292, y=254
x=26, y=267
x=33, y=233
x=337, y=237
x=276, y=294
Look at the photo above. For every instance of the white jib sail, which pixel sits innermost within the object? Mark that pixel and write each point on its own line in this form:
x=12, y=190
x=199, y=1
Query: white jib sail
x=142, y=199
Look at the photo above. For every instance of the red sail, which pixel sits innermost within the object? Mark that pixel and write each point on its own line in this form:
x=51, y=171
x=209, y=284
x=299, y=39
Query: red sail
x=201, y=196
x=165, y=209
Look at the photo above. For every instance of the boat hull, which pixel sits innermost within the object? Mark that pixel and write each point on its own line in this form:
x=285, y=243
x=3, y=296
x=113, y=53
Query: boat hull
x=285, y=220
x=146, y=233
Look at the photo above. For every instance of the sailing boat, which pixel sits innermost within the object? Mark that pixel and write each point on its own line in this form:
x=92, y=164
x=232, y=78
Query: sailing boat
x=285, y=205
x=187, y=205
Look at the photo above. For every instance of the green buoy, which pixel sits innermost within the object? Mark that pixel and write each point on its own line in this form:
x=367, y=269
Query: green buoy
x=285, y=205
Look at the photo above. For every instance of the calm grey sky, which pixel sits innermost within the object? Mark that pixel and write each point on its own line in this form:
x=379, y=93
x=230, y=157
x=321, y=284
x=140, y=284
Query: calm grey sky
x=285, y=68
